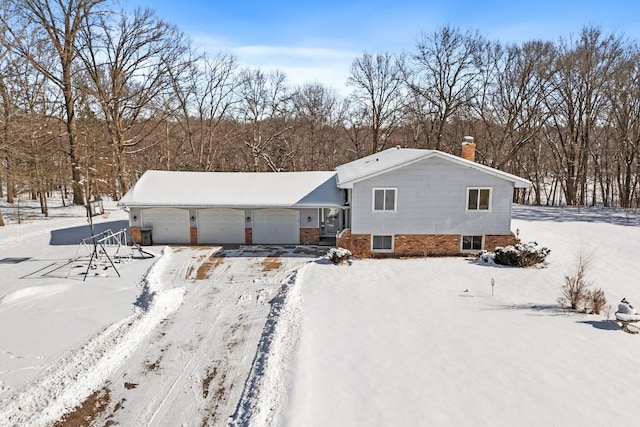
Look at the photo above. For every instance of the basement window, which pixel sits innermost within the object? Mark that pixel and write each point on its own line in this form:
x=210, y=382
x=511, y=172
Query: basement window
x=471, y=243
x=382, y=243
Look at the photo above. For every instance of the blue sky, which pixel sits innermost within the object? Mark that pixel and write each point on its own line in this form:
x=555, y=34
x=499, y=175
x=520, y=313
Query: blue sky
x=318, y=40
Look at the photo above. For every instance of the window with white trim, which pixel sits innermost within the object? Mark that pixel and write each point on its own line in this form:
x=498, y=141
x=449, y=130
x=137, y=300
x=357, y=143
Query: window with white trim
x=471, y=243
x=384, y=199
x=479, y=199
x=382, y=243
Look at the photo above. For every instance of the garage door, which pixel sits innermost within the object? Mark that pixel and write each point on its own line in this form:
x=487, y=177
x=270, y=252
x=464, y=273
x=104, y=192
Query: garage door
x=168, y=225
x=220, y=226
x=276, y=226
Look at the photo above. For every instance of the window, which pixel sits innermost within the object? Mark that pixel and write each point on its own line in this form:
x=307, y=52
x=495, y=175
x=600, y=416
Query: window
x=471, y=243
x=384, y=199
x=478, y=199
x=382, y=243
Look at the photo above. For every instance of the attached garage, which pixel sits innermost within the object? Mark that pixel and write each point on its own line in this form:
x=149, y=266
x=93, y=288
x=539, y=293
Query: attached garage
x=217, y=226
x=169, y=225
x=276, y=226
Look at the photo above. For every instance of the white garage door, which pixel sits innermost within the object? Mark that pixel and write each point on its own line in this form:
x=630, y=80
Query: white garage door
x=169, y=225
x=272, y=226
x=220, y=226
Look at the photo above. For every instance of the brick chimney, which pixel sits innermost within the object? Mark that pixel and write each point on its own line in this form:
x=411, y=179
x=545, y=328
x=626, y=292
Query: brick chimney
x=469, y=149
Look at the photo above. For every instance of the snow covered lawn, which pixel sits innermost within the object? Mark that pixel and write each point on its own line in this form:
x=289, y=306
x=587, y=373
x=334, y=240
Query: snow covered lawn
x=423, y=341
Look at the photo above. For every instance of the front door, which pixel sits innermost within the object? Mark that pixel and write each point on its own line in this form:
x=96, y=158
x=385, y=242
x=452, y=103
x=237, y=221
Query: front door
x=330, y=221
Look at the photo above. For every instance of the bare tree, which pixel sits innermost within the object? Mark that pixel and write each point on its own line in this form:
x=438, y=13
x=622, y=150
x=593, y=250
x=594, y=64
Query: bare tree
x=202, y=102
x=263, y=113
x=317, y=114
x=578, y=104
x=510, y=102
x=58, y=22
x=377, y=82
x=443, y=78
x=356, y=128
x=131, y=61
x=624, y=99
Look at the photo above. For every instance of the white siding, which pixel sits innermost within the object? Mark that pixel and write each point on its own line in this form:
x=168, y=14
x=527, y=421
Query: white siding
x=431, y=199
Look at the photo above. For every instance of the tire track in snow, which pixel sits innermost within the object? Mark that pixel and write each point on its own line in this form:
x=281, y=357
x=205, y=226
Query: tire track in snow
x=203, y=352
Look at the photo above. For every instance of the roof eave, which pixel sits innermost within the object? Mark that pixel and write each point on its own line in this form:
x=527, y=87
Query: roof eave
x=232, y=206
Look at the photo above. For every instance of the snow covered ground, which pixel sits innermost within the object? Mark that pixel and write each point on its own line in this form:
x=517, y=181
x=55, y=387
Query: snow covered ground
x=278, y=336
x=423, y=341
x=180, y=338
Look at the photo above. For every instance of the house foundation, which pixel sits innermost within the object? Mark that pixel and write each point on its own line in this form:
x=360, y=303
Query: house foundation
x=418, y=245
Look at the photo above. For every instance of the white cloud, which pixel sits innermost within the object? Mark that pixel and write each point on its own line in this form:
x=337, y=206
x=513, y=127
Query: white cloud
x=301, y=64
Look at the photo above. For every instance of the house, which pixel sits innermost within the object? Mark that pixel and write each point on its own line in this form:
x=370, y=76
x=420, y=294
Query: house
x=398, y=202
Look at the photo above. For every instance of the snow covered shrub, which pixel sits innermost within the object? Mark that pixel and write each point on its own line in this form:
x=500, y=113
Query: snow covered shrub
x=339, y=255
x=486, y=257
x=521, y=254
x=574, y=292
x=595, y=301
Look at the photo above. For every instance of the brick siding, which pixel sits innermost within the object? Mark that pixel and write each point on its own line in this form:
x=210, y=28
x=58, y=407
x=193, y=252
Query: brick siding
x=136, y=235
x=358, y=244
x=309, y=236
x=426, y=244
x=417, y=245
x=193, y=234
x=491, y=242
x=248, y=236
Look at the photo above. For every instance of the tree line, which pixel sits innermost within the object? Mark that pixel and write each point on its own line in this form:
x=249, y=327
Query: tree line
x=92, y=95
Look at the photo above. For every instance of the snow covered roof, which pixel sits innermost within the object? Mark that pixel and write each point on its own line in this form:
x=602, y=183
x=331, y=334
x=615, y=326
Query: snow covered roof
x=393, y=158
x=235, y=189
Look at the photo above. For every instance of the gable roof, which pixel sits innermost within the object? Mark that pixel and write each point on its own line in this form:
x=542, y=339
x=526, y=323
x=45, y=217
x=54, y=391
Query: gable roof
x=394, y=158
x=234, y=189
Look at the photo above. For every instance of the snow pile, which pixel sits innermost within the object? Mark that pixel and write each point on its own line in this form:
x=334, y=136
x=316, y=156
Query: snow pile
x=339, y=255
x=625, y=307
x=73, y=378
x=264, y=395
x=31, y=293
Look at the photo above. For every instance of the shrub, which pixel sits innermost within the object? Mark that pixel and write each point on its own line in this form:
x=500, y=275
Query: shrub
x=595, y=301
x=486, y=257
x=339, y=255
x=521, y=254
x=574, y=292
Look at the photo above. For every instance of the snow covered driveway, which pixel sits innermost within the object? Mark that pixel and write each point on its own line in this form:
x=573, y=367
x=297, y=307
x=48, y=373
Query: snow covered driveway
x=170, y=342
x=193, y=367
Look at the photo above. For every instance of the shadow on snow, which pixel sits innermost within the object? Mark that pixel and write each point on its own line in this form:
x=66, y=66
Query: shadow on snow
x=74, y=235
x=628, y=217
